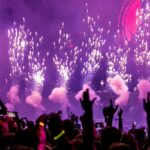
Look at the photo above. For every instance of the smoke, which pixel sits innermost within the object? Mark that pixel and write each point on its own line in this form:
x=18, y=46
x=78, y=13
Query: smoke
x=92, y=93
x=13, y=97
x=120, y=88
x=143, y=88
x=10, y=106
x=122, y=100
x=59, y=95
x=118, y=85
x=35, y=100
x=12, y=94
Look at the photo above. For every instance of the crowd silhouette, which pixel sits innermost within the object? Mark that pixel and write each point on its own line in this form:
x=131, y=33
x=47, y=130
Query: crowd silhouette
x=50, y=132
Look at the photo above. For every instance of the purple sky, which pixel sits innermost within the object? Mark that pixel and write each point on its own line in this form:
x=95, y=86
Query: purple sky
x=45, y=17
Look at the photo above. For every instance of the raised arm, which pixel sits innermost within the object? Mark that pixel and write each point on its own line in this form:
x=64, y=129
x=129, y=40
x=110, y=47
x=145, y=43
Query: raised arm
x=109, y=112
x=87, y=121
x=146, y=103
x=120, y=125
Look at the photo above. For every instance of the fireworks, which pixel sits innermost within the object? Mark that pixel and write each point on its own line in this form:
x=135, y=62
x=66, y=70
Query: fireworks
x=36, y=72
x=92, y=64
x=23, y=42
x=118, y=54
x=117, y=58
x=141, y=38
x=37, y=69
x=17, y=37
x=26, y=59
x=92, y=43
x=66, y=57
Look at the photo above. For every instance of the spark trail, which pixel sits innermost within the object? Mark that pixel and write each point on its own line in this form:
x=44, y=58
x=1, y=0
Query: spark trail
x=66, y=57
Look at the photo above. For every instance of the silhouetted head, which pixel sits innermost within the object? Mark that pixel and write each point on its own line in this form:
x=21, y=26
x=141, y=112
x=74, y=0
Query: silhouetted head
x=119, y=146
x=54, y=124
x=69, y=128
x=109, y=136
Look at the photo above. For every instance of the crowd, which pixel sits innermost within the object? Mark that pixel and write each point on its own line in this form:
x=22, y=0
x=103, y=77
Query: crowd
x=50, y=132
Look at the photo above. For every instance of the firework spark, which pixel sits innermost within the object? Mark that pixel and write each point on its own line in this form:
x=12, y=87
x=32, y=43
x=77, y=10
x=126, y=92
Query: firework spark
x=36, y=75
x=141, y=38
x=37, y=68
x=91, y=65
x=21, y=42
x=92, y=44
x=66, y=57
x=117, y=57
x=17, y=37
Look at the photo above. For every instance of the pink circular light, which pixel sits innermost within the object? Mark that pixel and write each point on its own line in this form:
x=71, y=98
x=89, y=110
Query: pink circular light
x=128, y=20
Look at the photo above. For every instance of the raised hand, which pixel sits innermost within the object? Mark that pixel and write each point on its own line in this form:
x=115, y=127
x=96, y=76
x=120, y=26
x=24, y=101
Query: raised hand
x=120, y=112
x=109, y=113
x=86, y=103
x=110, y=110
x=87, y=121
x=147, y=104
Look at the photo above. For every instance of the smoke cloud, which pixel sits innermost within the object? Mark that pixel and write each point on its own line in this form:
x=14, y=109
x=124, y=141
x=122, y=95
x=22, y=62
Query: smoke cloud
x=59, y=95
x=10, y=106
x=92, y=93
x=35, y=100
x=120, y=88
x=143, y=87
x=122, y=100
x=12, y=94
x=13, y=97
